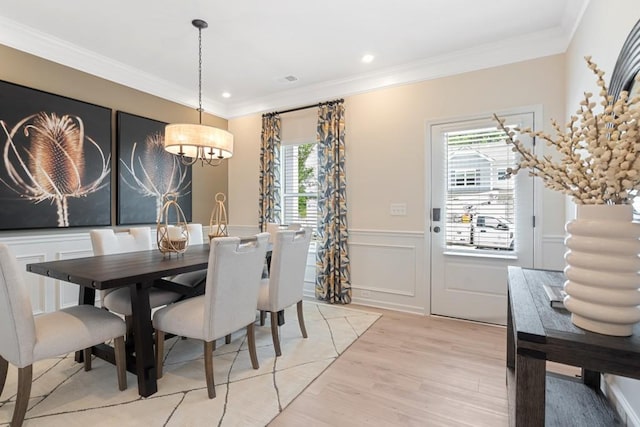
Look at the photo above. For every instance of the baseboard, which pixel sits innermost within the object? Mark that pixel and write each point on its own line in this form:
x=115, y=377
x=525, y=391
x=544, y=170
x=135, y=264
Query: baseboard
x=619, y=402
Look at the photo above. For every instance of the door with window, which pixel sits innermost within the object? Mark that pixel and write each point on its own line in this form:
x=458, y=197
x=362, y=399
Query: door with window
x=481, y=220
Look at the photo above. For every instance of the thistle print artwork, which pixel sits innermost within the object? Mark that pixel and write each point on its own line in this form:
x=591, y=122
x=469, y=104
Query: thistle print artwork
x=147, y=173
x=56, y=161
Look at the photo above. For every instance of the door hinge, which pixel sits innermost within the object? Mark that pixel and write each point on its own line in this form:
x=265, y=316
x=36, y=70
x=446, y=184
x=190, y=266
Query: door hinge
x=534, y=141
x=534, y=221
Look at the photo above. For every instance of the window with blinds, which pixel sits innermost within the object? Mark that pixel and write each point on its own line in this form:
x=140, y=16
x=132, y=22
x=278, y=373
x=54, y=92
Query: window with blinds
x=299, y=167
x=480, y=201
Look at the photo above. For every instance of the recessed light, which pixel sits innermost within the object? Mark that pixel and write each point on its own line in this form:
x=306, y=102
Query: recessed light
x=226, y=95
x=367, y=58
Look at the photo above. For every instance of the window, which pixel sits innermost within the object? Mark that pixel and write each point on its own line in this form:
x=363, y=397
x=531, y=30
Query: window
x=299, y=168
x=480, y=201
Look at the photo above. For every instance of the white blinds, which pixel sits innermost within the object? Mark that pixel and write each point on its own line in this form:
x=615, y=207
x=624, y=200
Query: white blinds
x=299, y=165
x=480, y=201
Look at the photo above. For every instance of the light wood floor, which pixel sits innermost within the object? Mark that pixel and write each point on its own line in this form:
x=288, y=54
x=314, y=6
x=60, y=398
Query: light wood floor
x=409, y=370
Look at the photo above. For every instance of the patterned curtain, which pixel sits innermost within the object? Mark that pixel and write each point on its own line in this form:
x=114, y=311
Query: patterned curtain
x=333, y=278
x=269, y=209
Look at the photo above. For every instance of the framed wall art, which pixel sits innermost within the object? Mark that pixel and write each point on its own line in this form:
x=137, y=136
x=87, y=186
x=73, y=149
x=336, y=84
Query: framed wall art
x=56, y=160
x=146, y=172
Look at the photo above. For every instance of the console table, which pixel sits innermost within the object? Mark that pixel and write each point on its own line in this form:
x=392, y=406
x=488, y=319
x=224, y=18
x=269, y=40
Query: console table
x=536, y=332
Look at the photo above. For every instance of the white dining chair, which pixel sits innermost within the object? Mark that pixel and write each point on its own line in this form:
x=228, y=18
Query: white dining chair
x=285, y=284
x=193, y=279
x=25, y=340
x=107, y=241
x=228, y=304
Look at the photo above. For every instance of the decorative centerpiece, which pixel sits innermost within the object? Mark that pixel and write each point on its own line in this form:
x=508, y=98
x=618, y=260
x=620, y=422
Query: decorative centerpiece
x=218, y=220
x=599, y=166
x=172, y=238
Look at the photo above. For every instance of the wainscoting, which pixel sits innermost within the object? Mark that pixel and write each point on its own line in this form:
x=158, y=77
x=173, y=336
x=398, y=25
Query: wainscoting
x=389, y=269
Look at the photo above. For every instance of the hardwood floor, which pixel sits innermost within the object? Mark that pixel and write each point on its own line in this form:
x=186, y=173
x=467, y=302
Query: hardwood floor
x=410, y=370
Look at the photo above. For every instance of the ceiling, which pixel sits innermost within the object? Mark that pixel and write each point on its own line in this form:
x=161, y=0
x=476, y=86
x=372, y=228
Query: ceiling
x=251, y=46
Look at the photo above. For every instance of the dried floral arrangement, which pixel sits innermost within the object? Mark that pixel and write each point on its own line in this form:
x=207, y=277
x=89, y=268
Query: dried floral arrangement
x=599, y=151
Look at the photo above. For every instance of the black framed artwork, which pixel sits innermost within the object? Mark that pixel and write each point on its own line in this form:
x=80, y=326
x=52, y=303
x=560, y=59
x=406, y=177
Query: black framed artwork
x=56, y=160
x=147, y=173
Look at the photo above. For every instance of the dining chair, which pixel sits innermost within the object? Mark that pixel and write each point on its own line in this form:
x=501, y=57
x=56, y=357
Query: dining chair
x=228, y=304
x=285, y=284
x=107, y=241
x=194, y=279
x=25, y=339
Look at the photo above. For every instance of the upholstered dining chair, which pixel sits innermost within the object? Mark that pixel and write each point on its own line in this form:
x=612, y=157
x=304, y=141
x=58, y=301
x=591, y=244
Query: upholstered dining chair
x=107, y=241
x=284, y=287
x=228, y=304
x=25, y=340
x=193, y=279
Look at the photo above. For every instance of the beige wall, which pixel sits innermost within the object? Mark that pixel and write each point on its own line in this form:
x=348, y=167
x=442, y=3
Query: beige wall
x=602, y=31
x=386, y=137
x=28, y=70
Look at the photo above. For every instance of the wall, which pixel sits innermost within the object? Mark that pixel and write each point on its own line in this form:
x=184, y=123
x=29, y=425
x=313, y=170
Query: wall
x=386, y=164
x=601, y=33
x=31, y=71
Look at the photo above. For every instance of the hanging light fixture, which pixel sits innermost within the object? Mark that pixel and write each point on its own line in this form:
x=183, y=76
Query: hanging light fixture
x=193, y=142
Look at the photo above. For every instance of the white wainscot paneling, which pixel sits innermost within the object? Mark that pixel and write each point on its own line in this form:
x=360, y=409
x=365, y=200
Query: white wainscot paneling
x=387, y=270
x=46, y=293
x=552, y=256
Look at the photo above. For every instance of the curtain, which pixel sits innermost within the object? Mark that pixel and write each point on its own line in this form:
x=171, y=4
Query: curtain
x=269, y=199
x=333, y=278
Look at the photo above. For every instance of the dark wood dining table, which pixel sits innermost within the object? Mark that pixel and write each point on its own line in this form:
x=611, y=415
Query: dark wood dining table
x=138, y=271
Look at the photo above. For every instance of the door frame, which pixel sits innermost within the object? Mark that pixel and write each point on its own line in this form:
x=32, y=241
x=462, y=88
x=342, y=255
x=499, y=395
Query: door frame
x=538, y=123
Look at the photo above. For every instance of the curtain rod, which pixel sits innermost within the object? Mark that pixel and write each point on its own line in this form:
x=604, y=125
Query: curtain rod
x=319, y=104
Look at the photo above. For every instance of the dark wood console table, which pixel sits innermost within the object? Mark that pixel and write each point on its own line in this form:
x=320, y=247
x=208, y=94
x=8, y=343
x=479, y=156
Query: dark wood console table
x=537, y=333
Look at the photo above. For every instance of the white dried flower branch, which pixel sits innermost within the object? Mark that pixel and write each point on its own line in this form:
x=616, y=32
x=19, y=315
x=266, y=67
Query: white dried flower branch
x=599, y=151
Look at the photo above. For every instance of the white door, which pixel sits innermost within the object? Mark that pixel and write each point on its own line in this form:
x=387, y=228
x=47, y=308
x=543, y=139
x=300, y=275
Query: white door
x=481, y=222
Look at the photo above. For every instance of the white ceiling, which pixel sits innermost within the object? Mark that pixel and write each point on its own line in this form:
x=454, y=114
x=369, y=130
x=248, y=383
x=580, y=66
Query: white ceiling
x=251, y=45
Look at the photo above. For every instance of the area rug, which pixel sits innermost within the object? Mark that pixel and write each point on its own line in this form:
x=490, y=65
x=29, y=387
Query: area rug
x=64, y=395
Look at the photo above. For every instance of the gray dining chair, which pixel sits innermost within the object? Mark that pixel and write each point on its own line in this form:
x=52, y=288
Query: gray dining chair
x=285, y=284
x=228, y=304
x=25, y=340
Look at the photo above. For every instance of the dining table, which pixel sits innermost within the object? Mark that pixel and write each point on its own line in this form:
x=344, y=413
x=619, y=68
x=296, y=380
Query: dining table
x=138, y=271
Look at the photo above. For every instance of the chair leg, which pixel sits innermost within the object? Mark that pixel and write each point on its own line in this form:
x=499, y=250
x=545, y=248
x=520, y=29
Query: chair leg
x=227, y=339
x=251, y=341
x=208, y=368
x=4, y=367
x=159, y=352
x=303, y=329
x=263, y=317
x=121, y=362
x=87, y=359
x=25, y=376
x=274, y=332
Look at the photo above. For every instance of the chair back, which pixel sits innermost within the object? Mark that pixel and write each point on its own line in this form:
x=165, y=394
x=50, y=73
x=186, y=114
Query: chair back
x=233, y=283
x=288, y=265
x=195, y=234
x=107, y=241
x=272, y=229
x=17, y=327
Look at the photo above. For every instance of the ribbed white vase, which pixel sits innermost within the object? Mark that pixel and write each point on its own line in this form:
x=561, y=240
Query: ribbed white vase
x=603, y=269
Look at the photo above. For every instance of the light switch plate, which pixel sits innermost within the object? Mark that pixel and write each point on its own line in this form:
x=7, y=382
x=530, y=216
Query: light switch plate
x=398, y=209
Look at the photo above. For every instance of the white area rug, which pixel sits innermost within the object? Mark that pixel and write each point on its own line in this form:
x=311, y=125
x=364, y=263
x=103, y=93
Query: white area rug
x=64, y=395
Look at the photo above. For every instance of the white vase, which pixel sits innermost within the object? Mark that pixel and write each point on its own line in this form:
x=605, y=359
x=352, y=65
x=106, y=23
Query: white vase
x=603, y=269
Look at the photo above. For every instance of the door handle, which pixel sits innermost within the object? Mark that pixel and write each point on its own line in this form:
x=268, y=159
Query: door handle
x=436, y=229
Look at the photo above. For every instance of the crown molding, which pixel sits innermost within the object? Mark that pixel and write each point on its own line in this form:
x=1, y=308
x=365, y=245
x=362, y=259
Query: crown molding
x=509, y=51
x=517, y=49
x=32, y=41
